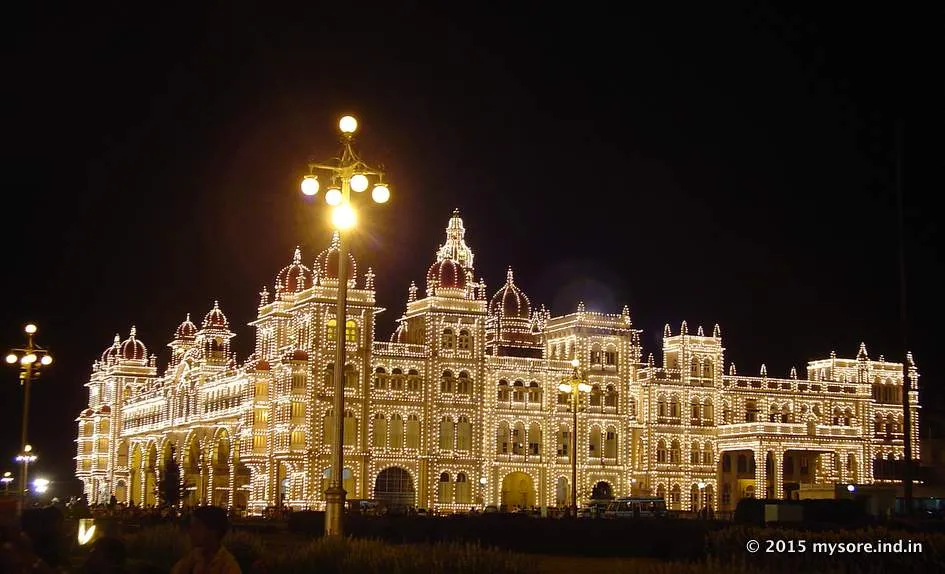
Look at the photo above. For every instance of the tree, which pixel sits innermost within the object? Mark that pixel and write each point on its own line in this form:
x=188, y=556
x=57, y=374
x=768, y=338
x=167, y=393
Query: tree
x=170, y=481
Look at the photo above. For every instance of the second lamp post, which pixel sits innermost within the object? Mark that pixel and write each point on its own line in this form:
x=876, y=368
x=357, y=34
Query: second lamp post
x=575, y=386
x=347, y=174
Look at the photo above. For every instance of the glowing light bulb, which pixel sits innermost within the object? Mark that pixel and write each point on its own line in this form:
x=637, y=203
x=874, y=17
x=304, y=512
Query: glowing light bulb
x=333, y=196
x=359, y=182
x=11, y=358
x=348, y=125
x=310, y=185
x=30, y=329
x=46, y=360
x=380, y=193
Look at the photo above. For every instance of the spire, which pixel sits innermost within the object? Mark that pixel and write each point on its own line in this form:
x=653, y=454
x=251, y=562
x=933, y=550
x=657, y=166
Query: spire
x=335, y=240
x=794, y=373
x=731, y=369
x=133, y=332
x=188, y=318
x=412, y=292
x=861, y=355
x=580, y=308
x=716, y=331
x=508, y=276
x=764, y=370
x=117, y=339
x=650, y=361
x=666, y=331
x=684, y=329
x=455, y=247
x=369, y=279
x=482, y=290
x=297, y=257
x=700, y=332
x=263, y=298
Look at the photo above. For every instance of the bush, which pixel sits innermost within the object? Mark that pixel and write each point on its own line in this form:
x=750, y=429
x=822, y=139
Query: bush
x=352, y=556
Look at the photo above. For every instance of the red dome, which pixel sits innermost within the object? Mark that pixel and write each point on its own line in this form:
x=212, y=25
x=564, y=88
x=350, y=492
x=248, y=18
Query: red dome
x=400, y=335
x=299, y=355
x=87, y=413
x=262, y=365
x=186, y=330
x=296, y=277
x=215, y=319
x=105, y=409
x=510, y=302
x=133, y=349
x=446, y=274
x=112, y=351
x=326, y=264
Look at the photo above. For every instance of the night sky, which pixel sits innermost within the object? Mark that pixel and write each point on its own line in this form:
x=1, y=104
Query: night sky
x=727, y=164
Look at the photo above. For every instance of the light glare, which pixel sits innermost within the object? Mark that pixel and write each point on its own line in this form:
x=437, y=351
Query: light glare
x=11, y=358
x=343, y=217
x=46, y=360
x=31, y=328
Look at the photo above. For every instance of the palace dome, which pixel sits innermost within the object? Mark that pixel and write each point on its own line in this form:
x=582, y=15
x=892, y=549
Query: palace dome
x=295, y=277
x=446, y=274
x=133, y=349
x=509, y=301
x=105, y=409
x=298, y=355
x=215, y=318
x=186, y=330
x=326, y=264
x=262, y=365
x=112, y=350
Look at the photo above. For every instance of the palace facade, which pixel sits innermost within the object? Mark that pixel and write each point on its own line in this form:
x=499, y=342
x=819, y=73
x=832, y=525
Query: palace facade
x=461, y=406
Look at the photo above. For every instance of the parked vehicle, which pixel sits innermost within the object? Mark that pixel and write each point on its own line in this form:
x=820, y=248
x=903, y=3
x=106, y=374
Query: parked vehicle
x=636, y=507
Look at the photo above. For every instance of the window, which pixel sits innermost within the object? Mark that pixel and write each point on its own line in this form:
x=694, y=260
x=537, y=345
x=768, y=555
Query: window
x=447, y=341
x=446, y=433
x=534, y=393
x=331, y=331
x=751, y=411
x=503, y=391
x=444, y=492
x=380, y=431
x=464, y=342
x=446, y=382
x=380, y=378
x=413, y=380
x=464, y=385
x=350, y=429
x=534, y=439
x=610, y=358
x=661, y=453
x=463, y=434
x=463, y=489
x=298, y=412
x=502, y=438
x=518, y=392
x=413, y=431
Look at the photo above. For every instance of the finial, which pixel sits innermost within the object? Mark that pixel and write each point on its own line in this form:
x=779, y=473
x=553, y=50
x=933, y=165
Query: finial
x=684, y=329
x=335, y=240
x=626, y=311
x=764, y=370
x=263, y=296
x=297, y=258
x=731, y=369
x=369, y=279
x=216, y=305
x=666, y=331
x=862, y=353
x=412, y=292
x=456, y=212
x=133, y=332
x=794, y=373
x=649, y=360
x=833, y=354
x=508, y=276
x=188, y=318
x=482, y=290
x=580, y=308
x=909, y=359
x=882, y=359
x=716, y=331
x=700, y=332
x=117, y=339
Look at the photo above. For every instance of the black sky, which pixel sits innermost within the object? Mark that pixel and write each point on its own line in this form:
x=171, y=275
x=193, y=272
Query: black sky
x=730, y=164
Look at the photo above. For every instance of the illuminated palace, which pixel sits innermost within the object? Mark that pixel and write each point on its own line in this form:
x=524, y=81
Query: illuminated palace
x=461, y=407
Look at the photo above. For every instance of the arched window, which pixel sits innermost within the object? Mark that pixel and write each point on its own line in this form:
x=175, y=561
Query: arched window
x=464, y=384
x=397, y=379
x=707, y=454
x=448, y=339
x=351, y=331
x=463, y=490
x=610, y=397
x=594, y=446
x=444, y=491
x=518, y=392
x=518, y=439
x=463, y=434
x=675, y=453
x=328, y=426
x=446, y=382
x=661, y=453
x=413, y=381
x=350, y=429
x=502, y=438
x=534, y=440
x=446, y=433
x=464, y=341
x=610, y=443
x=534, y=393
x=413, y=431
x=380, y=378
x=331, y=331
x=396, y=430
x=503, y=391
x=596, y=396
x=380, y=431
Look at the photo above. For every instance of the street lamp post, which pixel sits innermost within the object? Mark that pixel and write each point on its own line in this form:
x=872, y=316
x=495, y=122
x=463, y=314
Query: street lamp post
x=347, y=174
x=31, y=359
x=575, y=385
x=25, y=458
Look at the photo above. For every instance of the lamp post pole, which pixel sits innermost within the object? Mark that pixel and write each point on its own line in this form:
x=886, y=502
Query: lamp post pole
x=31, y=359
x=575, y=386
x=349, y=174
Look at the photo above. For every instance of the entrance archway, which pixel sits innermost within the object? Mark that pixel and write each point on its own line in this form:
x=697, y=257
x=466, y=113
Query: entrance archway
x=220, y=459
x=602, y=491
x=518, y=489
x=394, y=485
x=561, y=492
x=134, y=470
